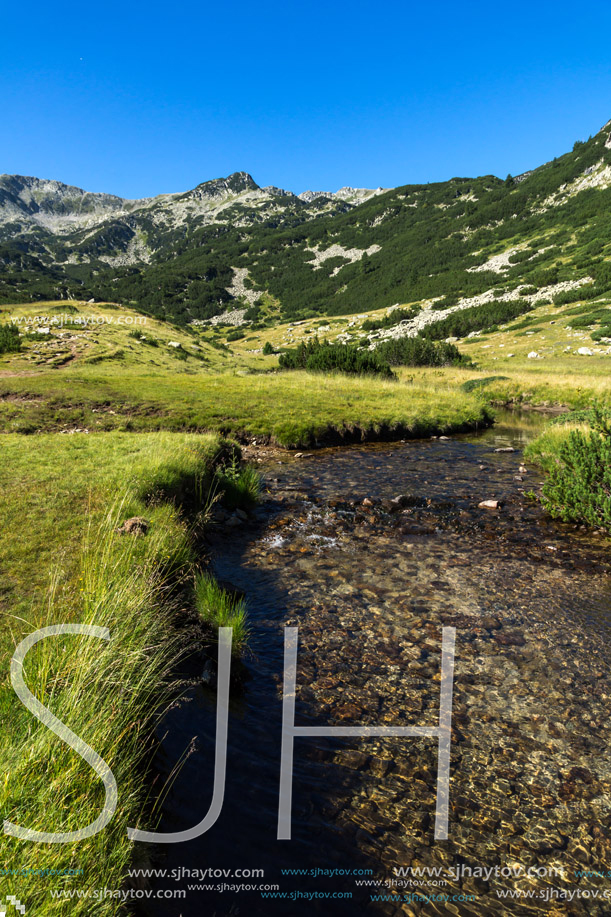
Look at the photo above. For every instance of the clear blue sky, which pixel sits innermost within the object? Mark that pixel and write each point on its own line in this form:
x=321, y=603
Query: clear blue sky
x=141, y=98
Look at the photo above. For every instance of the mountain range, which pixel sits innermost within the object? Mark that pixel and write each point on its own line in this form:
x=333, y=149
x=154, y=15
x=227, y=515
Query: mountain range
x=229, y=243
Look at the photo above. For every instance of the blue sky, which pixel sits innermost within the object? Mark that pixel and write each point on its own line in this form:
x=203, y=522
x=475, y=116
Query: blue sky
x=141, y=98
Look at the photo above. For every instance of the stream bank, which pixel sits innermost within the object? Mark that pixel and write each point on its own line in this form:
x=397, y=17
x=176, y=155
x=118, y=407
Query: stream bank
x=371, y=581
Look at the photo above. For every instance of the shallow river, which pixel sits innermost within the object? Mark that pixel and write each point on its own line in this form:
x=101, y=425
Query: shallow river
x=370, y=586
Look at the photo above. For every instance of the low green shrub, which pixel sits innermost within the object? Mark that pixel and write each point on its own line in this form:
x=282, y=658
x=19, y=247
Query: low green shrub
x=476, y=318
x=586, y=292
x=36, y=336
x=450, y=299
x=65, y=309
x=578, y=487
x=417, y=351
x=390, y=320
x=10, y=341
x=472, y=385
x=345, y=358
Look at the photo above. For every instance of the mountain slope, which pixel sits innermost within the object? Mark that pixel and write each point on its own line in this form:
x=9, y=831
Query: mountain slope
x=230, y=243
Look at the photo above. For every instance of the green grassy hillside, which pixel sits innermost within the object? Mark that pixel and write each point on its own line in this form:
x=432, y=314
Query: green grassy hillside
x=441, y=241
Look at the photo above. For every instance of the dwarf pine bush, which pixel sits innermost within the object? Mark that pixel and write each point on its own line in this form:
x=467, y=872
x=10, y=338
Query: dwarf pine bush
x=579, y=484
x=416, y=351
x=341, y=358
x=9, y=339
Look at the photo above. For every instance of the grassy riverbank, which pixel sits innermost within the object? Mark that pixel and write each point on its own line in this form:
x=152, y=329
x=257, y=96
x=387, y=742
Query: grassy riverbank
x=61, y=501
x=291, y=409
x=148, y=405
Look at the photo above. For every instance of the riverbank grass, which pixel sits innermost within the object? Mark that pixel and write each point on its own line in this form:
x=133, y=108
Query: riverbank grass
x=220, y=608
x=62, y=500
x=292, y=409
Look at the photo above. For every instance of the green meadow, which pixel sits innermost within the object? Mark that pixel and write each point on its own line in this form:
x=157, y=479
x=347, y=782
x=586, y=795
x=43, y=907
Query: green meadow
x=130, y=417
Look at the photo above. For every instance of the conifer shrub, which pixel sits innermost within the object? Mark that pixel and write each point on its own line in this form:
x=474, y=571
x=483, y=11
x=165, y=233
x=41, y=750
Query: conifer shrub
x=476, y=318
x=9, y=339
x=417, y=351
x=318, y=356
x=578, y=487
x=390, y=320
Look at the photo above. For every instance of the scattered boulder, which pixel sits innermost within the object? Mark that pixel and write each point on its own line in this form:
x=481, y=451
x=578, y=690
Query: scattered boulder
x=134, y=526
x=585, y=352
x=405, y=500
x=505, y=449
x=489, y=504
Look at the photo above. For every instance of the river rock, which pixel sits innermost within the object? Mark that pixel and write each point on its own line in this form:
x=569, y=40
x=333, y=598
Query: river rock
x=505, y=449
x=510, y=639
x=134, y=526
x=489, y=504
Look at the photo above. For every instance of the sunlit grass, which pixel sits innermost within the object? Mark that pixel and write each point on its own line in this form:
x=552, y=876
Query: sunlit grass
x=292, y=408
x=219, y=608
x=62, y=500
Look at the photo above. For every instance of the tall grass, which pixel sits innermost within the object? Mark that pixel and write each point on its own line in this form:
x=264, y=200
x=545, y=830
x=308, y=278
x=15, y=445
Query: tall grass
x=108, y=693
x=239, y=485
x=220, y=608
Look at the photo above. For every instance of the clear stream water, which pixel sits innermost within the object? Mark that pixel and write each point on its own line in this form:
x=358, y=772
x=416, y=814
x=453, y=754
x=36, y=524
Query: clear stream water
x=370, y=589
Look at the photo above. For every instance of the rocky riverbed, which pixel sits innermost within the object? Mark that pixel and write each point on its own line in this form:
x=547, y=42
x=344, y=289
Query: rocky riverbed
x=370, y=551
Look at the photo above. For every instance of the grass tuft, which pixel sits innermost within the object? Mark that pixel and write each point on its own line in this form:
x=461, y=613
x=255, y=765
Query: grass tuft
x=219, y=608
